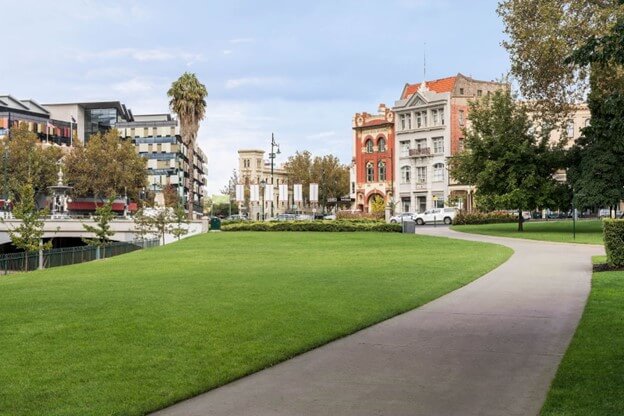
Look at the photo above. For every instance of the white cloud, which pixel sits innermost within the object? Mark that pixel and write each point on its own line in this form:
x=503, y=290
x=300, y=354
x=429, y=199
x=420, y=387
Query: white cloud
x=141, y=55
x=227, y=52
x=134, y=86
x=255, y=82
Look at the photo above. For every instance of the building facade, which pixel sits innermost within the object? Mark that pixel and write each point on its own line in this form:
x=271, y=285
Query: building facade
x=157, y=139
x=372, y=173
x=254, y=169
x=50, y=129
x=429, y=122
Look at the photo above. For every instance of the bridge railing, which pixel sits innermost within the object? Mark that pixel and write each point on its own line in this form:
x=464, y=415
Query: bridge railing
x=19, y=262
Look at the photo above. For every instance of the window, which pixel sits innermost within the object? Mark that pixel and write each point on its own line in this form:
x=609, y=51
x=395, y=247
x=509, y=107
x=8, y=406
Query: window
x=441, y=113
x=461, y=91
x=405, y=148
x=402, y=117
x=382, y=171
x=438, y=144
x=352, y=187
x=406, y=173
x=421, y=174
x=405, y=202
x=461, y=117
x=418, y=120
x=246, y=163
x=381, y=145
x=570, y=128
x=369, y=146
x=438, y=201
x=479, y=93
x=424, y=117
x=587, y=121
x=438, y=172
x=434, y=117
x=370, y=172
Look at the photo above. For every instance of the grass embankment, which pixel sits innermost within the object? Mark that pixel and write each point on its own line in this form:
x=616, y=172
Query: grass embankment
x=587, y=231
x=138, y=332
x=590, y=379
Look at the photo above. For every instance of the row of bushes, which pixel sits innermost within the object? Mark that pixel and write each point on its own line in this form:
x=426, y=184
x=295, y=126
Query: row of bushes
x=613, y=231
x=359, y=216
x=495, y=217
x=323, y=226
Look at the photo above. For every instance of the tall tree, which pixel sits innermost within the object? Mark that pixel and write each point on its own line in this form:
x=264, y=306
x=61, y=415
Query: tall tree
x=510, y=166
x=542, y=34
x=188, y=101
x=299, y=170
x=106, y=167
x=597, y=169
x=28, y=161
x=28, y=235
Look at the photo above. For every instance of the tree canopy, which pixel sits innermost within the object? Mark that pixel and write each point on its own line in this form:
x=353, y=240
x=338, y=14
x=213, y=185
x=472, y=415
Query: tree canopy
x=28, y=161
x=106, y=167
x=509, y=164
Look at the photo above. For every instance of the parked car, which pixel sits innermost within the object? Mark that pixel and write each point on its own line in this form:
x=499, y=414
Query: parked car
x=285, y=217
x=445, y=215
x=237, y=217
x=404, y=216
x=330, y=217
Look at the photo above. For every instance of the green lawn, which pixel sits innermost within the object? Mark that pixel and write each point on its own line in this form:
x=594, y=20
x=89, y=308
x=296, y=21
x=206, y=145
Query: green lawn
x=590, y=379
x=137, y=332
x=587, y=231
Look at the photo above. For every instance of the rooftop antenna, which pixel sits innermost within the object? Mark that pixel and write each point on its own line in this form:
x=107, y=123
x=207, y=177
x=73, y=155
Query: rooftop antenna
x=423, y=85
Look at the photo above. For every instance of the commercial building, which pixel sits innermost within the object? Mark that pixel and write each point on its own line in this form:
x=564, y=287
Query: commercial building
x=254, y=169
x=373, y=148
x=429, y=122
x=157, y=139
x=49, y=129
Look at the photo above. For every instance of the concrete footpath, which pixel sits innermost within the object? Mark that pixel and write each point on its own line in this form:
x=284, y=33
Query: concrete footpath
x=489, y=348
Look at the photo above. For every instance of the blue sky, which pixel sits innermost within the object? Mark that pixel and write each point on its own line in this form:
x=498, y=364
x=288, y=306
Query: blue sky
x=300, y=70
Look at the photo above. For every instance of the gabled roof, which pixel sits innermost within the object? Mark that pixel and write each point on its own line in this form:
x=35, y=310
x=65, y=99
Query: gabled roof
x=436, y=85
x=12, y=102
x=34, y=106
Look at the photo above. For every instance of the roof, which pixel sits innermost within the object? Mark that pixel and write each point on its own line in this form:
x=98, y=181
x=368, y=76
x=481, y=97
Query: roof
x=376, y=122
x=11, y=103
x=124, y=112
x=436, y=85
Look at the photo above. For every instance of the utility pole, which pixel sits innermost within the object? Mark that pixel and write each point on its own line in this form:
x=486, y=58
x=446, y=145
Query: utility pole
x=272, y=156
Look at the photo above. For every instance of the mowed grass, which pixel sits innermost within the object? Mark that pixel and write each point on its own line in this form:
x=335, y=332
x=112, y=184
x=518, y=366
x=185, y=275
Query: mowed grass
x=590, y=379
x=136, y=333
x=587, y=231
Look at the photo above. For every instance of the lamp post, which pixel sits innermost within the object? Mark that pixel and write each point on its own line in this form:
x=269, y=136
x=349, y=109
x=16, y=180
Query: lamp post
x=262, y=186
x=272, y=156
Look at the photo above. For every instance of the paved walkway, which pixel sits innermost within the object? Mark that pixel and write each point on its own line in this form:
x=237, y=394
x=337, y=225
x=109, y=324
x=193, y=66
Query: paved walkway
x=489, y=348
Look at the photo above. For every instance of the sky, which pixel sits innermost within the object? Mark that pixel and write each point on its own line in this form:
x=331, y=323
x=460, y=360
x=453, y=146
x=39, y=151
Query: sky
x=300, y=70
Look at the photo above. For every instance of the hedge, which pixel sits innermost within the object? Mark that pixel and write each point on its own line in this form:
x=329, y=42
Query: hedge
x=473, y=218
x=322, y=226
x=614, y=241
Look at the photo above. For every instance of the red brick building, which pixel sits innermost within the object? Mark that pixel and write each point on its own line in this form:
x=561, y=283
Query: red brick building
x=373, y=141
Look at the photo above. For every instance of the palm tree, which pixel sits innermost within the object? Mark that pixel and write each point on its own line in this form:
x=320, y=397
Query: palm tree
x=188, y=101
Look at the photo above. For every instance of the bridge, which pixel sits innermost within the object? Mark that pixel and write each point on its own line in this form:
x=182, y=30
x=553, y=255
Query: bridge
x=125, y=229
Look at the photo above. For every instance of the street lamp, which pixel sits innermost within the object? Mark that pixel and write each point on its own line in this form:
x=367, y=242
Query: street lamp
x=272, y=156
x=262, y=186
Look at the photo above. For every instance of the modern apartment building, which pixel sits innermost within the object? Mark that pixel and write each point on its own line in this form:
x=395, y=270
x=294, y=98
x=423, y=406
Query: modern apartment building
x=254, y=169
x=157, y=138
x=373, y=161
x=49, y=129
x=429, y=122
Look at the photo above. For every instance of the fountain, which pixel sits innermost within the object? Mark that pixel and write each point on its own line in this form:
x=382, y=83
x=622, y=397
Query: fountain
x=60, y=197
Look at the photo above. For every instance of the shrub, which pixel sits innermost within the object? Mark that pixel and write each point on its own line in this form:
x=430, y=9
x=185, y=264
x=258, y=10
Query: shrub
x=359, y=216
x=319, y=226
x=495, y=217
x=614, y=241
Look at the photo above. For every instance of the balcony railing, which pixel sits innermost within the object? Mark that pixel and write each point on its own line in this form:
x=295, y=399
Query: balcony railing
x=423, y=151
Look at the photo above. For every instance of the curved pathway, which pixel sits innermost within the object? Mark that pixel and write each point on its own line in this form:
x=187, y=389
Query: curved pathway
x=489, y=348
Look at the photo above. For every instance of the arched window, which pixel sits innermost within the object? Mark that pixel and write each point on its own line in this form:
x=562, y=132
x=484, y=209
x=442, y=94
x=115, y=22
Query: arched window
x=570, y=128
x=587, y=121
x=370, y=172
x=369, y=146
x=381, y=145
x=382, y=171
x=406, y=173
x=438, y=172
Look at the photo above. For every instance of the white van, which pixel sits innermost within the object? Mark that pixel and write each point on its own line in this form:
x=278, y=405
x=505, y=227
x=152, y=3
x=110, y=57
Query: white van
x=442, y=215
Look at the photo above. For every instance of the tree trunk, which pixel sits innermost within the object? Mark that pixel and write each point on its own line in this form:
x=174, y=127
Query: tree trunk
x=191, y=196
x=520, y=220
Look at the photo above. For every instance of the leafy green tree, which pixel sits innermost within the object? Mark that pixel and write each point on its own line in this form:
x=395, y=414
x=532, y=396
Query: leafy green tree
x=28, y=161
x=106, y=166
x=188, y=101
x=299, y=170
x=28, y=234
x=103, y=217
x=597, y=168
x=541, y=35
x=143, y=225
x=161, y=222
x=510, y=166
x=179, y=223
